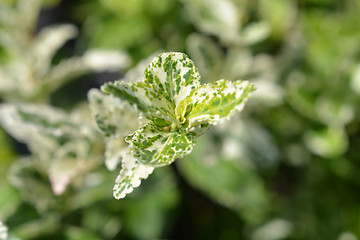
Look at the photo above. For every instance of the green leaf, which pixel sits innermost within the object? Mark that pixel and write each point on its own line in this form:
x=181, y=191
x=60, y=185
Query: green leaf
x=215, y=102
x=66, y=145
x=12, y=201
x=157, y=147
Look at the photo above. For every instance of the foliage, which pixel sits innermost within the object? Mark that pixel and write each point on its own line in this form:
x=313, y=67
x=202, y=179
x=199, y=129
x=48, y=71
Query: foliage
x=178, y=108
x=285, y=168
x=28, y=73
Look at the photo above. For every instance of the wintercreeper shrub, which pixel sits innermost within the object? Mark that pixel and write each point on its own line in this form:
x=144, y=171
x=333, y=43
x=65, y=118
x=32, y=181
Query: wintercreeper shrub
x=176, y=109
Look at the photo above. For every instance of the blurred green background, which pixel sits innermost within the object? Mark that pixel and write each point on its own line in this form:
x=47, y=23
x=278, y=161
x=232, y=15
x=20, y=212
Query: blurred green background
x=285, y=168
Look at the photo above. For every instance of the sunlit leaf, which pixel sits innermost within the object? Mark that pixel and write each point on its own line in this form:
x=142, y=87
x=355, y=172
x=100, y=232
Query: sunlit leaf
x=167, y=80
x=178, y=107
x=157, y=147
x=173, y=76
x=113, y=116
x=130, y=176
x=140, y=94
x=214, y=102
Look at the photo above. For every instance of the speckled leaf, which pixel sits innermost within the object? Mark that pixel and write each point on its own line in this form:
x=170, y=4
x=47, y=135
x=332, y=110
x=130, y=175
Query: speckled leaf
x=142, y=95
x=113, y=116
x=157, y=147
x=217, y=101
x=173, y=76
x=168, y=79
x=130, y=176
x=66, y=145
x=179, y=110
x=44, y=128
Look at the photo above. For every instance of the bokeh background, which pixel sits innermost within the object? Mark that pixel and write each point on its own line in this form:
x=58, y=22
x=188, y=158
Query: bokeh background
x=287, y=167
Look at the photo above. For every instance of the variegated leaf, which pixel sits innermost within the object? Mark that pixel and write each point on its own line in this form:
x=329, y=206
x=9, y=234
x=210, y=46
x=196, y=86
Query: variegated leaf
x=93, y=60
x=49, y=40
x=114, y=117
x=168, y=79
x=215, y=102
x=115, y=150
x=157, y=147
x=137, y=72
x=173, y=76
x=65, y=145
x=61, y=173
x=70, y=161
x=179, y=110
x=154, y=106
x=43, y=128
x=21, y=175
x=130, y=176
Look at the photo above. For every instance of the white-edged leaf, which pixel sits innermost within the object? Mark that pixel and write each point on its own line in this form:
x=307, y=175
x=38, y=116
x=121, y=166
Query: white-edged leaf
x=69, y=161
x=178, y=107
x=28, y=11
x=106, y=60
x=63, y=72
x=130, y=176
x=255, y=32
x=142, y=95
x=168, y=79
x=156, y=147
x=93, y=60
x=114, y=117
x=137, y=72
x=173, y=76
x=65, y=145
x=114, y=153
x=27, y=175
x=61, y=173
x=49, y=40
x=215, y=102
x=42, y=127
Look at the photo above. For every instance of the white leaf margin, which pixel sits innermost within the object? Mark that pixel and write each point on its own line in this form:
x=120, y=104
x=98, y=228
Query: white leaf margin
x=130, y=176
